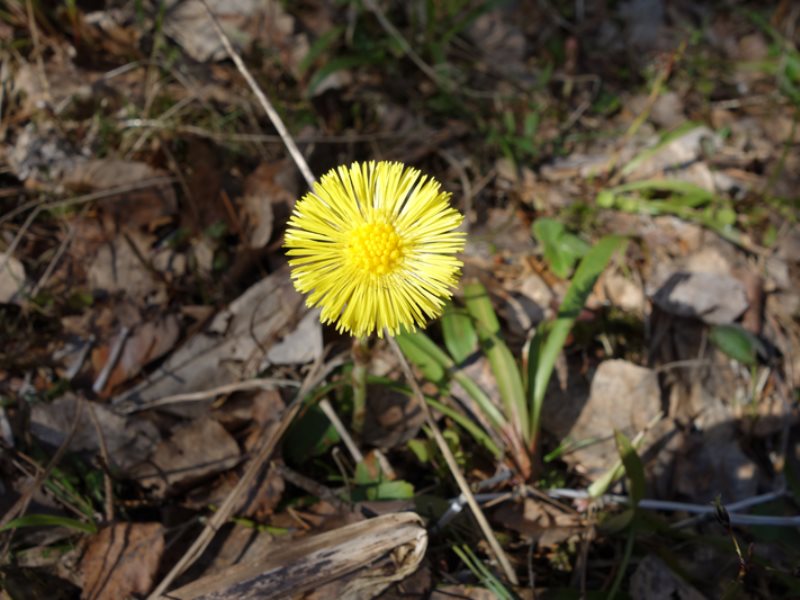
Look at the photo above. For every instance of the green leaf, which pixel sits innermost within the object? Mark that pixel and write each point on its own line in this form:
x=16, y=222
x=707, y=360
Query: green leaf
x=421, y=449
x=549, y=340
x=49, y=521
x=467, y=424
x=378, y=488
x=737, y=342
x=504, y=367
x=633, y=466
x=391, y=490
x=561, y=248
x=426, y=356
x=437, y=366
x=309, y=436
x=459, y=333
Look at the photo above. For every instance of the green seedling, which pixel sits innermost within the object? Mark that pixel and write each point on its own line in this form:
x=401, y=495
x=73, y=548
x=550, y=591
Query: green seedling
x=517, y=419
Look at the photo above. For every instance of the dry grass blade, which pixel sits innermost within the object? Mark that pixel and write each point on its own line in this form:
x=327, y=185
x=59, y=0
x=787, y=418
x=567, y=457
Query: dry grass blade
x=360, y=560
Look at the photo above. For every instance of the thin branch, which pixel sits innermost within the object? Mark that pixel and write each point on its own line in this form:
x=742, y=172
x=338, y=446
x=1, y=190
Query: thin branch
x=263, y=383
x=273, y=115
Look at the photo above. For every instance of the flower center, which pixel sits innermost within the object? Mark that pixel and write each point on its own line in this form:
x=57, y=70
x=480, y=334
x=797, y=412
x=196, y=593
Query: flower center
x=375, y=248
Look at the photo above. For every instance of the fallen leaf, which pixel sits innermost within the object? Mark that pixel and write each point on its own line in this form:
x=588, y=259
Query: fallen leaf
x=622, y=396
x=193, y=452
x=268, y=197
x=147, y=207
x=189, y=25
x=147, y=342
x=128, y=440
x=231, y=347
x=118, y=267
x=540, y=521
x=713, y=298
x=301, y=346
x=121, y=560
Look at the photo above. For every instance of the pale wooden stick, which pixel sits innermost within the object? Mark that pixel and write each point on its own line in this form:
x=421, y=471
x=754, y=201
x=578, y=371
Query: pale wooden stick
x=273, y=115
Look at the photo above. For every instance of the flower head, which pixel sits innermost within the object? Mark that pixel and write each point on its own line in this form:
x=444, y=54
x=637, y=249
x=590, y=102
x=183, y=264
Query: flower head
x=373, y=245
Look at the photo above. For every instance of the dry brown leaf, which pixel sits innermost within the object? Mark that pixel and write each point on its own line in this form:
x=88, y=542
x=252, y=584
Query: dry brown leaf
x=540, y=521
x=623, y=397
x=143, y=208
x=147, y=342
x=128, y=440
x=193, y=452
x=118, y=267
x=243, y=20
x=230, y=348
x=121, y=560
x=269, y=195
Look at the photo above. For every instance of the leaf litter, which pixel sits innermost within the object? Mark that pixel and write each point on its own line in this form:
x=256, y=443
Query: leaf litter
x=142, y=208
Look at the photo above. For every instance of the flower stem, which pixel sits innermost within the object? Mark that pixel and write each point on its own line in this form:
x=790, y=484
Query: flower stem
x=361, y=358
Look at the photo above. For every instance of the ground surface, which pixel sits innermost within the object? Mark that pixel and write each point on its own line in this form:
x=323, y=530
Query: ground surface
x=151, y=340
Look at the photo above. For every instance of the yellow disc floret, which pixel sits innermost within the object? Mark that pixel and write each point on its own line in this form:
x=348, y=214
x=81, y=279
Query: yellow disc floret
x=375, y=248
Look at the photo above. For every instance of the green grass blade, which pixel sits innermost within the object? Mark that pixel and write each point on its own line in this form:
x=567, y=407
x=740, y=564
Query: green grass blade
x=504, y=367
x=547, y=344
x=437, y=367
x=49, y=521
x=633, y=466
x=468, y=425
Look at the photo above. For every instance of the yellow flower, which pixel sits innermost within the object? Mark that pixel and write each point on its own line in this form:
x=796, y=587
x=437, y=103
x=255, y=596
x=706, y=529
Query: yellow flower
x=374, y=245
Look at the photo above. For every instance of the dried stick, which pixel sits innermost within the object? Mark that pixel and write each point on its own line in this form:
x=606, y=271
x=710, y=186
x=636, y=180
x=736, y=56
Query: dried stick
x=263, y=383
x=453, y=466
x=273, y=115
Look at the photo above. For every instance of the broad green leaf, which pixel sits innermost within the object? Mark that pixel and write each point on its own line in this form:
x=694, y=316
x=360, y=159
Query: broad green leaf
x=737, y=342
x=421, y=449
x=49, y=521
x=547, y=344
x=633, y=466
x=391, y=490
x=504, y=367
x=426, y=355
x=561, y=248
x=459, y=333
